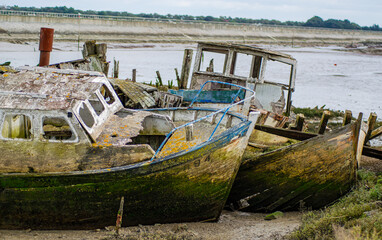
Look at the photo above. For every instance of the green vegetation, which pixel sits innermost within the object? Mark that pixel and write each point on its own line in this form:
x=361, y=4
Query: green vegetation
x=312, y=22
x=355, y=216
x=317, y=112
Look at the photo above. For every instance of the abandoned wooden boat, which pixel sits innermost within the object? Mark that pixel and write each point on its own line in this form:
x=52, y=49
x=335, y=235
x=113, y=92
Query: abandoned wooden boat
x=71, y=152
x=310, y=174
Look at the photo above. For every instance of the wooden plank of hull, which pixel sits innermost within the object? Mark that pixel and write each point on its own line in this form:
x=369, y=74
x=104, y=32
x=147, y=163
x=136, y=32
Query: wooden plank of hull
x=372, y=152
x=312, y=173
x=188, y=186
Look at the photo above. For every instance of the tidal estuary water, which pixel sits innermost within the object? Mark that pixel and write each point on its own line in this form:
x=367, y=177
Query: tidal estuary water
x=337, y=79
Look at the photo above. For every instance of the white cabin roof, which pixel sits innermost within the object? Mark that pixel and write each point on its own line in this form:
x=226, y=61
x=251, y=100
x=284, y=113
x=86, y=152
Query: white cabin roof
x=38, y=88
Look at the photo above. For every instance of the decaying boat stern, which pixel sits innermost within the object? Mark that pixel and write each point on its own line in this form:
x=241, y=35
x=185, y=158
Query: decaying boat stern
x=309, y=175
x=77, y=161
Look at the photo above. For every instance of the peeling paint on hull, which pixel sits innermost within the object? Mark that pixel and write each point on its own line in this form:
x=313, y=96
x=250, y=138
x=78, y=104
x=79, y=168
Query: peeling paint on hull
x=309, y=174
x=188, y=186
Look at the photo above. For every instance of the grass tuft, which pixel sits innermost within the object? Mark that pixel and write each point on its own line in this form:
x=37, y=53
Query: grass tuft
x=355, y=216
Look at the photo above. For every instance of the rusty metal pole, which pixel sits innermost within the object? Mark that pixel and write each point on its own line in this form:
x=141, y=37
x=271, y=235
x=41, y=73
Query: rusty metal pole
x=46, y=44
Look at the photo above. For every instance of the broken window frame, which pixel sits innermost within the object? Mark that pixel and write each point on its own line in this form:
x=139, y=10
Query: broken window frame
x=214, y=50
x=74, y=138
x=31, y=130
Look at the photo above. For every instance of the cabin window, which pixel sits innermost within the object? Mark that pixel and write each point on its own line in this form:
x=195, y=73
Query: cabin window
x=96, y=104
x=277, y=72
x=213, y=61
x=86, y=115
x=56, y=128
x=16, y=126
x=241, y=64
x=107, y=95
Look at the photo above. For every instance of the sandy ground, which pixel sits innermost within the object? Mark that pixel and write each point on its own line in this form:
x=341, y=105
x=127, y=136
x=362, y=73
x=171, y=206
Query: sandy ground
x=232, y=225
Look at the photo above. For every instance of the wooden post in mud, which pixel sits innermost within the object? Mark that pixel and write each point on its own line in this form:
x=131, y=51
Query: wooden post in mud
x=324, y=122
x=116, y=69
x=347, y=118
x=210, y=68
x=118, y=223
x=134, y=77
x=159, y=78
x=376, y=132
x=186, y=67
x=177, y=77
x=371, y=123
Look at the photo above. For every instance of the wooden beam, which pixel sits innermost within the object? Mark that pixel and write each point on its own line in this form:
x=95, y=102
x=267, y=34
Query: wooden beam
x=371, y=123
x=159, y=78
x=293, y=134
x=372, y=152
x=324, y=121
x=375, y=133
x=177, y=77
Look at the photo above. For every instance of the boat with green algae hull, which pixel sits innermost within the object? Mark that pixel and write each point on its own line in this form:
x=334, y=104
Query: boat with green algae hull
x=71, y=152
x=309, y=174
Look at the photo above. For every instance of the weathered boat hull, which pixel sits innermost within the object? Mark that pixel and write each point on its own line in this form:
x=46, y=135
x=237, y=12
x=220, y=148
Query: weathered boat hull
x=309, y=174
x=192, y=185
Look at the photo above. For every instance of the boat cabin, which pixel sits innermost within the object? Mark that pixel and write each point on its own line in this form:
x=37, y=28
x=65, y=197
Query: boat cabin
x=271, y=73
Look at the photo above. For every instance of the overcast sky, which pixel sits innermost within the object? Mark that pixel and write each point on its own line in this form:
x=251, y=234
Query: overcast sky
x=365, y=12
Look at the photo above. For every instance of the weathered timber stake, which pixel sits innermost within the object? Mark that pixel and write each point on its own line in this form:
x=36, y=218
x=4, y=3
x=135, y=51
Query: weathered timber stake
x=375, y=133
x=177, y=77
x=101, y=50
x=300, y=118
x=347, y=118
x=89, y=48
x=229, y=121
x=186, y=67
x=189, y=132
x=116, y=69
x=119, y=216
x=371, y=123
x=159, y=78
x=324, y=122
x=134, y=77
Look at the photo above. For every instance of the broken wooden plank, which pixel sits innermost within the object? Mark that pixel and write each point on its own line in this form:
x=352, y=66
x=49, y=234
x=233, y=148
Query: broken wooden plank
x=375, y=133
x=177, y=77
x=324, y=121
x=189, y=132
x=258, y=145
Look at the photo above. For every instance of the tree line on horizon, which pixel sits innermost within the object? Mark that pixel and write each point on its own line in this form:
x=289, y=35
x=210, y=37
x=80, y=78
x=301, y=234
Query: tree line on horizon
x=315, y=21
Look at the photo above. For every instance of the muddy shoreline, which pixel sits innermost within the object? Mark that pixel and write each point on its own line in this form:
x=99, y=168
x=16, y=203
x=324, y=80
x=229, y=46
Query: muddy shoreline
x=232, y=225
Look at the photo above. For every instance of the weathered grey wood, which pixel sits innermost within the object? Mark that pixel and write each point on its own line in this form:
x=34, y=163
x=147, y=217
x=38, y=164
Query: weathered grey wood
x=324, y=121
x=229, y=121
x=371, y=123
x=300, y=118
x=189, y=132
x=134, y=77
x=177, y=77
x=347, y=117
x=375, y=133
x=187, y=59
x=89, y=48
x=100, y=50
x=247, y=103
x=159, y=78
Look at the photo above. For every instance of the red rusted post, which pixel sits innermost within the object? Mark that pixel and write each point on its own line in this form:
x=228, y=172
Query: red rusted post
x=46, y=43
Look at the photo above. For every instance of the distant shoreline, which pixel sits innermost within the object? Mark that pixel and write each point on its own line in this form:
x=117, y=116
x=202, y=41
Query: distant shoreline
x=27, y=28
